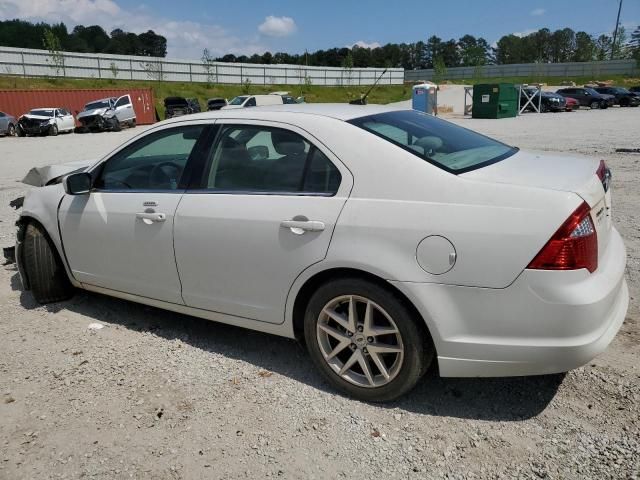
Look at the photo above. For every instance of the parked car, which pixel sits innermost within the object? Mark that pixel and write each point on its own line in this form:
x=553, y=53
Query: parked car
x=216, y=103
x=7, y=124
x=455, y=248
x=571, y=104
x=177, y=106
x=622, y=96
x=45, y=121
x=635, y=89
x=108, y=114
x=286, y=98
x=587, y=97
x=243, y=101
x=549, y=101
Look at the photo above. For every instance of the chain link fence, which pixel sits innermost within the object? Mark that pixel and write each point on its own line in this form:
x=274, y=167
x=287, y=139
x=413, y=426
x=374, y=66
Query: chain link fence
x=42, y=63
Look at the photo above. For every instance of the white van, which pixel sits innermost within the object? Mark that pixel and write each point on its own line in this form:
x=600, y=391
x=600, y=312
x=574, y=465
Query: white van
x=242, y=101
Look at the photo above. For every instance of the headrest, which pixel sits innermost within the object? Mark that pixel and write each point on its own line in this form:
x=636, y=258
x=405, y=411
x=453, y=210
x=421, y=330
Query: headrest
x=287, y=143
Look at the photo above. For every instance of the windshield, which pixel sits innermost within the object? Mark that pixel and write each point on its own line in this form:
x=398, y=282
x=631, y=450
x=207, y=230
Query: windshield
x=445, y=145
x=237, y=100
x=42, y=113
x=98, y=104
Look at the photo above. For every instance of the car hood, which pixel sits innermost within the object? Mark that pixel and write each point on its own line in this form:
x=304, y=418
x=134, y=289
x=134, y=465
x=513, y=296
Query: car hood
x=41, y=176
x=95, y=111
x=553, y=171
x=35, y=117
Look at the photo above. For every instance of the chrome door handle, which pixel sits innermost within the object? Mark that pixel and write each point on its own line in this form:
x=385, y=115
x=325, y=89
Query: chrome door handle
x=300, y=226
x=151, y=217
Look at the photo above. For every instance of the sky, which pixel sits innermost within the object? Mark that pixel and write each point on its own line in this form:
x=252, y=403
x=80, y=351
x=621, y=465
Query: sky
x=256, y=26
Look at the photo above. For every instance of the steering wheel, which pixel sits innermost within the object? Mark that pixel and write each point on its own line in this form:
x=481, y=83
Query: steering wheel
x=159, y=177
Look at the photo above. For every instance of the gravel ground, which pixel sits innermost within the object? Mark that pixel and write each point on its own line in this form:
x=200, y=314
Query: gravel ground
x=158, y=395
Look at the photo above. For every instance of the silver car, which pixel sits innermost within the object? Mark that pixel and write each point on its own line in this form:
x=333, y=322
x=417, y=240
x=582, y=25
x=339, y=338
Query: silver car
x=7, y=124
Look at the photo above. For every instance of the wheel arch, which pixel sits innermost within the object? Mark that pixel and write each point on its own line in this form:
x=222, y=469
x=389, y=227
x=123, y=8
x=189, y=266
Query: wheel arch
x=304, y=293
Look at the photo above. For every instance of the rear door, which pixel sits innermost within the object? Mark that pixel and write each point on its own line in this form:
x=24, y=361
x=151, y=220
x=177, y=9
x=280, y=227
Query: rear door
x=124, y=109
x=263, y=212
x=120, y=235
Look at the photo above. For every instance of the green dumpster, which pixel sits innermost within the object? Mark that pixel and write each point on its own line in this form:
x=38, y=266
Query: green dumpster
x=495, y=100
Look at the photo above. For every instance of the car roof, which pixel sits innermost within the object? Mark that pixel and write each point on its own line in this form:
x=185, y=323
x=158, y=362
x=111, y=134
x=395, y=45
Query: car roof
x=339, y=111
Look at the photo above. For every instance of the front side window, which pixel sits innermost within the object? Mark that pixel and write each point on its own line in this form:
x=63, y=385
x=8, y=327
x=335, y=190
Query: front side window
x=445, y=145
x=257, y=159
x=155, y=162
x=123, y=101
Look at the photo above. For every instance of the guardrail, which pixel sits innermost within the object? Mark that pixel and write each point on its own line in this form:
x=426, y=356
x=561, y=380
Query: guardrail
x=42, y=63
x=597, y=70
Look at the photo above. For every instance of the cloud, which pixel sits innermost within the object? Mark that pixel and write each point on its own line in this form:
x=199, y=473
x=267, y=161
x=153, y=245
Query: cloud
x=363, y=44
x=185, y=39
x=277, y=26
x=536, y=12
x=524, y=33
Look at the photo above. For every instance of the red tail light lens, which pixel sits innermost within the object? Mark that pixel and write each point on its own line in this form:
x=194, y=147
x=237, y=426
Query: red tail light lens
x=573, y=246
x=604, y=174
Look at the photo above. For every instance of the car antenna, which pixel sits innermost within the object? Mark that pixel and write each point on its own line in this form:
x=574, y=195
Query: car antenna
x=363, y=98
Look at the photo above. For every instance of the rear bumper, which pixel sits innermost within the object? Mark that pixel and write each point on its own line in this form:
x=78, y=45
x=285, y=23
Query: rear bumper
x=545, y=322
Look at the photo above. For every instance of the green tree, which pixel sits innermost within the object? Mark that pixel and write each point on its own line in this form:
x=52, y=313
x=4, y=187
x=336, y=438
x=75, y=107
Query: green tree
x=56, y=59
x=602, y=47
x=585, y=47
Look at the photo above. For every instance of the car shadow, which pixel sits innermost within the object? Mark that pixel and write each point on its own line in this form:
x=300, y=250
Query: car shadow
x=492, y=399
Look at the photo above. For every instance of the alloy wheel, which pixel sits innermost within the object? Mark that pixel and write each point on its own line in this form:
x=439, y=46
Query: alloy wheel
x=360, y=341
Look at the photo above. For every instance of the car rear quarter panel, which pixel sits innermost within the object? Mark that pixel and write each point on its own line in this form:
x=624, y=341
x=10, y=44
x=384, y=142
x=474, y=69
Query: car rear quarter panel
x=398, y=199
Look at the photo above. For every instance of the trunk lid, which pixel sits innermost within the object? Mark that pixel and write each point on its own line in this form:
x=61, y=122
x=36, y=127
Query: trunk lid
x=555, y=171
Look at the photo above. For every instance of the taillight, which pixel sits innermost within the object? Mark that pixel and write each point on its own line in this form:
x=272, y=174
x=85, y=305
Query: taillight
x=573, y=246
x=604, y=174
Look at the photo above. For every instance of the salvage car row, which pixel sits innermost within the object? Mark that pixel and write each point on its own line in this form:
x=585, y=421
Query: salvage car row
x=112, y=113
x=572, y=98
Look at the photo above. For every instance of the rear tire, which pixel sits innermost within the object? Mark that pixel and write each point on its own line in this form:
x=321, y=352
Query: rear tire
x=403, y=369
x=594, y=105
x=47, y=276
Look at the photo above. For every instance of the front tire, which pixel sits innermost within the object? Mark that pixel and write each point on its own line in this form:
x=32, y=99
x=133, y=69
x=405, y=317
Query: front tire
x=594, y=105
x=11, y=130
x=365, y=341
x=47, y=276
x=53, y=130
x=20, y=131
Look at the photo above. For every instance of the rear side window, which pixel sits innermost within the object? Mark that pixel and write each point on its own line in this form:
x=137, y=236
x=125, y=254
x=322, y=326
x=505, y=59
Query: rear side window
x=251, y=102
x=443, y=144
x=258, y=159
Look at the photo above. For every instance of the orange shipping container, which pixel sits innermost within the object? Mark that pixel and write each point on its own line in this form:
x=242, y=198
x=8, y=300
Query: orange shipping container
x=19, y=102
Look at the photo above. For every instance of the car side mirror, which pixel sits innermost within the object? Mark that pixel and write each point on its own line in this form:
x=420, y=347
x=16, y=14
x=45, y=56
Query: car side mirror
x=77, y=183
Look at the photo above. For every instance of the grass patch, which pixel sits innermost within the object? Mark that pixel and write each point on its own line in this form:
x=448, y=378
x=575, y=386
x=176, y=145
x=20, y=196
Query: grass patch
x=201, y=91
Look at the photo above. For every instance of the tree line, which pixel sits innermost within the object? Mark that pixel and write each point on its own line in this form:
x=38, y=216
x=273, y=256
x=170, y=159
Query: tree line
x=542, y=46
x=90, y=39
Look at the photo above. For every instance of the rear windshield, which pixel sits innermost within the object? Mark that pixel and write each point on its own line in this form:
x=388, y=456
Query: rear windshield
x=445, y=145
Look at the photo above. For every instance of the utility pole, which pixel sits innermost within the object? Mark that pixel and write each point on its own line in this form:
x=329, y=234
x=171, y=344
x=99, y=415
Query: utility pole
x=615, y=32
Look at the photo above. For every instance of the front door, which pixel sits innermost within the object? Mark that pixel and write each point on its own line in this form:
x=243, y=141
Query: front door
x=124, y=109
x=120, y=236
x=264, y=212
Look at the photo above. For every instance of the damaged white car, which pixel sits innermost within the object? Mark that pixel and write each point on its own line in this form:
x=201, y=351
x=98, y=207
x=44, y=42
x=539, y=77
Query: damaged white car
x=387, y=240
x=45, y=121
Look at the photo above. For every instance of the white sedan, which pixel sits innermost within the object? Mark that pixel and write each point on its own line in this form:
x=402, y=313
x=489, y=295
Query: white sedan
x=386, y=240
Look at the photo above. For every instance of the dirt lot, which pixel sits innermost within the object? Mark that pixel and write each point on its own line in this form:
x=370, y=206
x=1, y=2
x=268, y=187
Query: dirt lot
x=159, y=395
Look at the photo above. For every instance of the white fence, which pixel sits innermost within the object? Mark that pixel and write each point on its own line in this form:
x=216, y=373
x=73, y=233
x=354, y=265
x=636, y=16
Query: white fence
x=597, y=70
x=41, y=63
